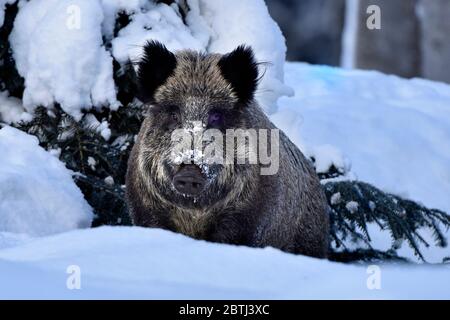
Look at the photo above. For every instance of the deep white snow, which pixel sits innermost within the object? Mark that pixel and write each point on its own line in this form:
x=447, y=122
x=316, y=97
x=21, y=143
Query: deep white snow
x=334, y=110
x=58, y=49
x=394, y=132
x=12, y=110
x=391, y=132
x=161, y=23
x=257, y=29
x=37, y=194
x=58, y=45
x=137, y=263
x=211, y=27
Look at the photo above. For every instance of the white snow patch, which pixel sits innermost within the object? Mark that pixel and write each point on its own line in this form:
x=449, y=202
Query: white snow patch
x=211, y=27
x=327, y=156
x=160, y=22
x=90, y=121
x=57, y=46
x=12, y=110
x=91, y=163
x=109, y=180
x=137, y=263
x=381, y=240
x=352, y=206
x=395, y=132
x=121, y=142
x=9, y=239
x=111, y=8
x=236, y=22
x=37, y=194
x=335, y=198
x=55, y=152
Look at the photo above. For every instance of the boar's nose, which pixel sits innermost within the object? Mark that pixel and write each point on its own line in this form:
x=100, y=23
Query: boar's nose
x=189, y=180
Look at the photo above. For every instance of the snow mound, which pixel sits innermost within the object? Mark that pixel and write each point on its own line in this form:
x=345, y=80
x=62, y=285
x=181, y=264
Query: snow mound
x=12, y=110
x=58, y=49
x=138, y=263
x=236, y=22
x=161, y=23
x=65, y=48
x=395, y=132
x=37, y=194
x=211, y=26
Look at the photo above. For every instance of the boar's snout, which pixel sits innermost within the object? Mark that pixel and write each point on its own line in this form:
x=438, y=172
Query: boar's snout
x=189, y=180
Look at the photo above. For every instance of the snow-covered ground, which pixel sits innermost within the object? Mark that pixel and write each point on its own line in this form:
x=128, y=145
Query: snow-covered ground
x=121, y=262
x=12, y=110
x=37, y=194
x=393, y=134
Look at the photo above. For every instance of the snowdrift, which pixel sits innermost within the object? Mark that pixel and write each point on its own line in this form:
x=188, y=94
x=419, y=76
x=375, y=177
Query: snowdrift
x=37, y=194
x=133, y=262
x=75, y=42
x=391, y=132
x=137, y=263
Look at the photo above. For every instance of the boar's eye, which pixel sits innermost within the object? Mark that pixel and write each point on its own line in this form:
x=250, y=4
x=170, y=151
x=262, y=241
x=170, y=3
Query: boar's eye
x=168, y=116
x=172, y=120
x=215, y=119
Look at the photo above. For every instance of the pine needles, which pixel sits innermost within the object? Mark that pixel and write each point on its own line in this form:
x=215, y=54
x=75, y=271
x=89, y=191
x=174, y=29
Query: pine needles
x=402, y=219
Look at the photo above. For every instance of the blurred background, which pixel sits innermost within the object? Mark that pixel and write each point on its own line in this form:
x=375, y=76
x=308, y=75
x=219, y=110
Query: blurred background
x=414, y=39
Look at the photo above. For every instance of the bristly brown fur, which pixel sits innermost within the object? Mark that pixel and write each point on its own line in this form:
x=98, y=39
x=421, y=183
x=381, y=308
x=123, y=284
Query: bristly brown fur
x=287, y=210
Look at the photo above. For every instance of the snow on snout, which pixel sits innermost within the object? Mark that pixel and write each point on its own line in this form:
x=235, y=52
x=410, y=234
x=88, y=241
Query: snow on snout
x=188, y=147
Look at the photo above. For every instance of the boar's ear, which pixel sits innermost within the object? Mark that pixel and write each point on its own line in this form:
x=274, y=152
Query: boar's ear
x=155, y=66
x=241, y=70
